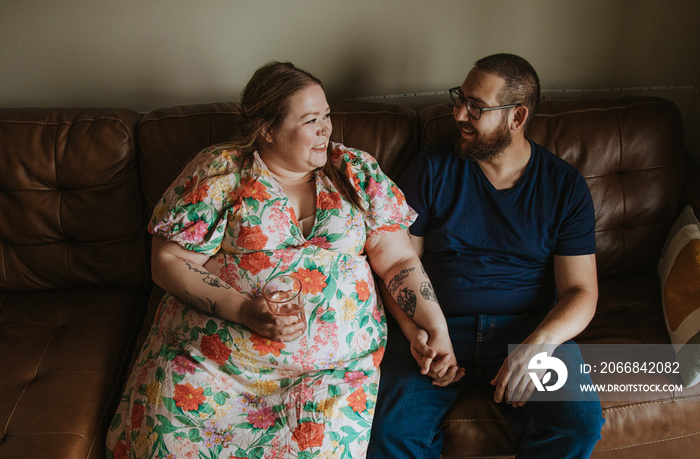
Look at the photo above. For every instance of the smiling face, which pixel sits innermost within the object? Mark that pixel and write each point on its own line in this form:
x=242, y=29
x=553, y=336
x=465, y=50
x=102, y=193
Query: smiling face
x=299, y=144
x=490, y=135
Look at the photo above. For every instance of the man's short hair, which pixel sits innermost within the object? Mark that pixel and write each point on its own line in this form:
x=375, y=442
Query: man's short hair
x=522, y=83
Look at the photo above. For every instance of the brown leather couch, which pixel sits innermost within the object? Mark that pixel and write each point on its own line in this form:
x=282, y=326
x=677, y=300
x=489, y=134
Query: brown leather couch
x=77, y=187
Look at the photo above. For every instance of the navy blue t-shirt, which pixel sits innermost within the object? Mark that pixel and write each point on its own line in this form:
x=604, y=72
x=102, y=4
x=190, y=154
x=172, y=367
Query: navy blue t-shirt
x=490, y=251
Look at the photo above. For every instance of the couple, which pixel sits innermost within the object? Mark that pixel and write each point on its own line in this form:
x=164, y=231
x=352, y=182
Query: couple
x=220, y=376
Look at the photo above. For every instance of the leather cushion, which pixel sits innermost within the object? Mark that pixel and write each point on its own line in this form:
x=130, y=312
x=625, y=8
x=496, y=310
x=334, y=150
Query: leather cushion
x=64, y=358
x=70, y=208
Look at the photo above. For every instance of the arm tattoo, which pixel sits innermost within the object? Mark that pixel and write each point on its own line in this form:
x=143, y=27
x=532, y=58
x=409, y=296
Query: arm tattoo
x=407, y=300
x=203, y=304
x=426, y=290
x=398, y=279
x=207, y=277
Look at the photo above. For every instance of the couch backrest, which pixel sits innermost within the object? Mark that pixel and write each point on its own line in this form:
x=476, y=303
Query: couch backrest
x=630, y=151
x=70, y=207
x=169, y=137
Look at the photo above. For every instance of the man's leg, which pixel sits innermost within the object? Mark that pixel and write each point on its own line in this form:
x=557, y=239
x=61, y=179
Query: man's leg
x=557, y=430
x=407, y=420
x=553, y=429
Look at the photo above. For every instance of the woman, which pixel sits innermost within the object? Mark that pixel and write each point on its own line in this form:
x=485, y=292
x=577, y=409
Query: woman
x=219, y=375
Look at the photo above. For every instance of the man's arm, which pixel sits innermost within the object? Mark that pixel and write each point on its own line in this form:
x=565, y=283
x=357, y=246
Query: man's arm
x=577, y=285
x=576, y=279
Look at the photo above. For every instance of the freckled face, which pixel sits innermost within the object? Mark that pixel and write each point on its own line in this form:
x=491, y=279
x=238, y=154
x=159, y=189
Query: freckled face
x=300, y=142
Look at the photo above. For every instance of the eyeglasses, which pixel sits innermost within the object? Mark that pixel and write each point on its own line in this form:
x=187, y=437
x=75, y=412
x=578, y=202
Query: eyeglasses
x=474, y=110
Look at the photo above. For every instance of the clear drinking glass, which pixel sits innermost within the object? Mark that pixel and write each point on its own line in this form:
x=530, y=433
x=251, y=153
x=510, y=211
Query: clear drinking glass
x=284, y=298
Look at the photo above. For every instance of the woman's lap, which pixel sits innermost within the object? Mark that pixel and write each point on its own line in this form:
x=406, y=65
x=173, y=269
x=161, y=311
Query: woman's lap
x=201, y=384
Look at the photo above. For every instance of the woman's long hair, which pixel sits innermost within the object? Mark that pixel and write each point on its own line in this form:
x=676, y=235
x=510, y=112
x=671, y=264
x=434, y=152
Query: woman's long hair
x=265, y=104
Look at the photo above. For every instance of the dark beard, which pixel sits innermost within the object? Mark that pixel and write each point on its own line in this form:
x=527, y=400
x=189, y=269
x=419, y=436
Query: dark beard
x=485, y=148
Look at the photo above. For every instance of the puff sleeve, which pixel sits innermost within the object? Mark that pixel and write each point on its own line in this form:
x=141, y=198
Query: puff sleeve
x=193, y=211
x=387, y=210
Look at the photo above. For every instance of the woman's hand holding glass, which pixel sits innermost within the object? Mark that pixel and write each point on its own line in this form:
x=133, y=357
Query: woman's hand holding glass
x=256, y=315
x=193, y=278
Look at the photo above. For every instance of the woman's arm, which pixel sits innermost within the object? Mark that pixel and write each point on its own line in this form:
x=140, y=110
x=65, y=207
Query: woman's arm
x=413, y=303
x=181, y=273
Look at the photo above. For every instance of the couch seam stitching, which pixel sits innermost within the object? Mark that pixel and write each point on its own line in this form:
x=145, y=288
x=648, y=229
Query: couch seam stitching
x=599, y=109
x=68, y=240
x=3, y=247
x=555, y=115
x=649, y=442
x=624, y=197
x=381, y=112
x=449, y=421
x=68, y=122
x=14, y=408
x=430, y=120
x=78, y=434
x=188, y=115
x=655, y=402
x=26, y=386
x=64, y=189
x=58, y=325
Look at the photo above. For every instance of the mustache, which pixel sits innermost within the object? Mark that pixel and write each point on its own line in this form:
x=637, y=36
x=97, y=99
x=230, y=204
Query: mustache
x=465, y=125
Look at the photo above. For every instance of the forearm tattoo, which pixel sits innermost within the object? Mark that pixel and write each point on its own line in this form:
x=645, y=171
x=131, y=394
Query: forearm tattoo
x=406, y=296
x=427, y=291
x=407, y=301
x=398, y=279
x=203, y=304
x=207, y=277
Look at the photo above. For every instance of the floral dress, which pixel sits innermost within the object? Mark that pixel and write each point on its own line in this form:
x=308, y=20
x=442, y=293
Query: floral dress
x=203, y=387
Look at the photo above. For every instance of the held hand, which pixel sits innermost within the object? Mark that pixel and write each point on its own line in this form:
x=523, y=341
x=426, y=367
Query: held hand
x=420, y=350
x=513, y=381
x=436, y=358
x=444, y=369
x=256, y=315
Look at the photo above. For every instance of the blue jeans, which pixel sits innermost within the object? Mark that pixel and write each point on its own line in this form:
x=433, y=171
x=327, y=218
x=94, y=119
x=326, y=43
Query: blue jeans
x=408, y=417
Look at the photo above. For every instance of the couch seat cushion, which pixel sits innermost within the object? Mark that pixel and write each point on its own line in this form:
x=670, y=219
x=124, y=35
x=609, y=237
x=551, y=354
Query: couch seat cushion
x=63, y=364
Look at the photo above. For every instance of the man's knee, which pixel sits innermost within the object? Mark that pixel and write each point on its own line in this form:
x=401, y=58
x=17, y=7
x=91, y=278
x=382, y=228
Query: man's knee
x=583, y=420
x=408, y=420
x=591, y=419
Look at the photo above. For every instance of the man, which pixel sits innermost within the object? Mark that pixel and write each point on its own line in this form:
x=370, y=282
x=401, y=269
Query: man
x=506, y=235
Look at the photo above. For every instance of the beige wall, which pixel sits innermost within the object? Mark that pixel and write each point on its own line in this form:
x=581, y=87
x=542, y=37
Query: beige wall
x=145, y=54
